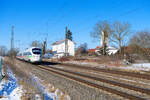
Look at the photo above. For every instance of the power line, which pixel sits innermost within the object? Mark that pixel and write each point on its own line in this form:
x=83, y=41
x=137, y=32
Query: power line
x=60, y=10
x=127, y=13
x=121, y=15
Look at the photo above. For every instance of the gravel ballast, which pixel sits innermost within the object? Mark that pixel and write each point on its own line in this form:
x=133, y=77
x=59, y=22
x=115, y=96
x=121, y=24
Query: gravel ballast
x=72, y=89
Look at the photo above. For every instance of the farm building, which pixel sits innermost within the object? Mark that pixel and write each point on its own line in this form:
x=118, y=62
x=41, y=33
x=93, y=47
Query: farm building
x=62, y=47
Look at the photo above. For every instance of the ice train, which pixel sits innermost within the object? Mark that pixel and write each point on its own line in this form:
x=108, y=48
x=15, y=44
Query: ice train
x=33, y=55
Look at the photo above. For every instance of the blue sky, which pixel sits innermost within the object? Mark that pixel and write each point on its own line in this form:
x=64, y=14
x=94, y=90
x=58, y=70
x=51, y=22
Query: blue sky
x=34, y=18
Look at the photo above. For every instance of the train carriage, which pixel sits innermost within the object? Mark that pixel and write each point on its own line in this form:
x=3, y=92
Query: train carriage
x=33, y=54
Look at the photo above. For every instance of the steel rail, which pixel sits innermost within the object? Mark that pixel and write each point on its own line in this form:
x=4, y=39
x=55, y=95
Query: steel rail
x=123, y=73
x=131, y=87
x=114, y=91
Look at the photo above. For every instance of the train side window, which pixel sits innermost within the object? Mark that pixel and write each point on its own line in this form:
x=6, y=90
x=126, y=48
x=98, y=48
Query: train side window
x=24, y=53
x=29, y=53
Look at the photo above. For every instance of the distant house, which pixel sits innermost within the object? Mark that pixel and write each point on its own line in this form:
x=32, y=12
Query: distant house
x=59, y=47
x=92, y=51
x=111, y=50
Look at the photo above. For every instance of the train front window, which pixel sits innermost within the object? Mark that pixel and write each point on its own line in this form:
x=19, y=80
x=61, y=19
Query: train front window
x=36, y=51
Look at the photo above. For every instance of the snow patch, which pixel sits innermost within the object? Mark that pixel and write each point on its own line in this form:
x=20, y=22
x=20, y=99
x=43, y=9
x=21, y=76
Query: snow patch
x=9, y=88
x=137, y=66
x=140, y=66
x=49, y=92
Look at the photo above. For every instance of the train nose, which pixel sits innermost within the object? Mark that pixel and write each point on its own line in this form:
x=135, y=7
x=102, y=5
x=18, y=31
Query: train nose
x=37, y=57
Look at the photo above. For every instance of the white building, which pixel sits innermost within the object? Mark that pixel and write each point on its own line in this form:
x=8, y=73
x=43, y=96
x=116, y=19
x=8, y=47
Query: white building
x=59, y=48
x=112, y=50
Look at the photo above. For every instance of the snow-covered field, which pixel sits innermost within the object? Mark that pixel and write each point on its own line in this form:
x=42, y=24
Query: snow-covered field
x=9, y=89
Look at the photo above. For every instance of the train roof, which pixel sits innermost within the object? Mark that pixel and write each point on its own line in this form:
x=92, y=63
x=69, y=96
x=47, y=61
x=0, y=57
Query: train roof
x=34, y=47
x=29, y=49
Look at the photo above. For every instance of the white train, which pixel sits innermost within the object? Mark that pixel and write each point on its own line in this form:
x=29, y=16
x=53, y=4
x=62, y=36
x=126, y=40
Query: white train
x=33, y=54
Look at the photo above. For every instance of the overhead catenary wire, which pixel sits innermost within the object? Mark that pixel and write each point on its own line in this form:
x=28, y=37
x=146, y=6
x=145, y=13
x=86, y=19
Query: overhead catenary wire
x=109, y=19
x=35, y=35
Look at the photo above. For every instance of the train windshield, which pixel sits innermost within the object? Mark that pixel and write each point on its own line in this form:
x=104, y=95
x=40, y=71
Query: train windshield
x=36, y=51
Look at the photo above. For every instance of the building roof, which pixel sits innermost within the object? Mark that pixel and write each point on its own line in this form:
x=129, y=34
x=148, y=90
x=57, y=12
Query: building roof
x=98, y=47
x=112, y=48
x=91, y=50
x=60, y=41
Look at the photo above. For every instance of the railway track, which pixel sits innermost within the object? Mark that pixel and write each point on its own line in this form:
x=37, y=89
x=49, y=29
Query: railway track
x=64, y=73
x=117, y=72
x=143, y=90
x=135, y=81
x=86, y=79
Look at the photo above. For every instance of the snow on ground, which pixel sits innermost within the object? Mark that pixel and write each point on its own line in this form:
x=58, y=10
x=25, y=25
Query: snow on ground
x=9, y=89
x=14, y=95
x=82, y=63
x=55, y=95
x=41, y=88
x=139, y=66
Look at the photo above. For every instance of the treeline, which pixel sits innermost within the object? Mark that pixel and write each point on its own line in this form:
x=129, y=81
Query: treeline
x=115, y=34
x=119, y=35
x=5, y=52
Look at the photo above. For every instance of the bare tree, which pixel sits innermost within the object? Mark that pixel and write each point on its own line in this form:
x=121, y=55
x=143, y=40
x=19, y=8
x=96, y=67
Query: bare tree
x=141, y=43
x=102, y=31
x=36, y=44
x=15, y=52
x=3, y=50
x=82, y=49
x=141, y=39
x=119, y=33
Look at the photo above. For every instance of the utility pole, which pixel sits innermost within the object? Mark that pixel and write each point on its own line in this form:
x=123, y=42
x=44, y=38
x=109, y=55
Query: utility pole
x=44, y=48
x=12, y=42
x=66, y=42
x=44, y=45
x=45, y=41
